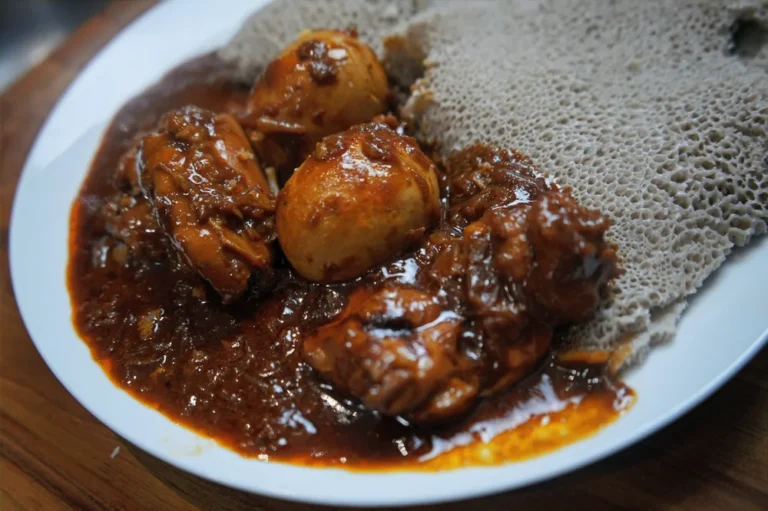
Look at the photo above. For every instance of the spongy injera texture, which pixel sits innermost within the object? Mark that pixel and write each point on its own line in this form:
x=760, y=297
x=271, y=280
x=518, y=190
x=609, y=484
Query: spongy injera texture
x=645, y=108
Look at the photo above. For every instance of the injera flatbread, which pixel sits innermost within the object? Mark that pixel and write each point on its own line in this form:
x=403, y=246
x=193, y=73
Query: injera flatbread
x=654, y=112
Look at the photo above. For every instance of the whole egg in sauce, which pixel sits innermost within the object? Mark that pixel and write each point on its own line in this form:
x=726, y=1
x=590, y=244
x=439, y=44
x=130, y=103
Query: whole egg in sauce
x=360, y=199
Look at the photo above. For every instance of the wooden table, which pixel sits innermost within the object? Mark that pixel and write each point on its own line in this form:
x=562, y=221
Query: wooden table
x=55, y=455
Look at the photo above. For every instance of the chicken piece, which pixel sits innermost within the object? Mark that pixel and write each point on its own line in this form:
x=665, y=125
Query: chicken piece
x=323, y=83
x=210, y=197
x=363, y=196
x=530, y=269
x=396, y=350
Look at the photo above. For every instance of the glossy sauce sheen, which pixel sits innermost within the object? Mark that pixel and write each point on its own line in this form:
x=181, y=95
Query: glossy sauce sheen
x=236, y=373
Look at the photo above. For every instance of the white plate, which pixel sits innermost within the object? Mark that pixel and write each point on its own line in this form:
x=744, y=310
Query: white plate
x=722, y=329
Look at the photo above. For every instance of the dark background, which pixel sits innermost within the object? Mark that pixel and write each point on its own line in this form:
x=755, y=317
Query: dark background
x=30, y=29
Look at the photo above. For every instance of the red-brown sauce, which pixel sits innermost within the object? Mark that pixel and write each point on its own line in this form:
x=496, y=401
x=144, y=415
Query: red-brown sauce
x=236, y=373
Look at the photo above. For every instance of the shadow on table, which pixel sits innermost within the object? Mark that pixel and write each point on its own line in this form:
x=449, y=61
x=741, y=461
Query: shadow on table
x=666, y=469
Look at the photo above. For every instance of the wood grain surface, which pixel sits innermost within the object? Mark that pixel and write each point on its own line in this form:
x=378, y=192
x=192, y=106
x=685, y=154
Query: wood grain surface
x=55, y=455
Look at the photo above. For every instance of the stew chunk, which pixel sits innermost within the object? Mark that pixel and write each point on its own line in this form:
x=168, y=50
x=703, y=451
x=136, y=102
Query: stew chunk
x=396, y=349
x=210, y=197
